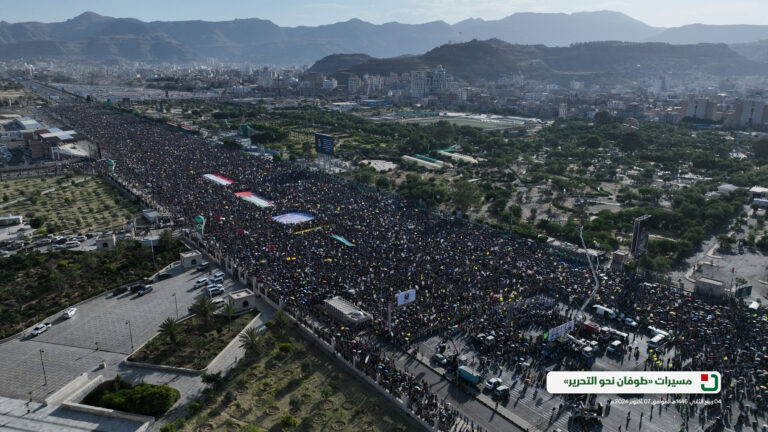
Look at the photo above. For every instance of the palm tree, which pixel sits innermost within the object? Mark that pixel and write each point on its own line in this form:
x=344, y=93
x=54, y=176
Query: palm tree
x=204, y=309
x=229, y=311
x=170, y=328
x=249, y=341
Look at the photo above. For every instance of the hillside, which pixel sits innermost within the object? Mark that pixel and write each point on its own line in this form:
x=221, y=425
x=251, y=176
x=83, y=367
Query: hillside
x=491, y=59
x=702, y=33
x=336, y=62
x=757, y=51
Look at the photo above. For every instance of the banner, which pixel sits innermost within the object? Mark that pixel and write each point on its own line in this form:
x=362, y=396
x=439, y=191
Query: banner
x=219, y=179
x=342, y=240
x=406, y=297
x=255, y=199
x=556, y=332
x=631, y=382
x=293, y=218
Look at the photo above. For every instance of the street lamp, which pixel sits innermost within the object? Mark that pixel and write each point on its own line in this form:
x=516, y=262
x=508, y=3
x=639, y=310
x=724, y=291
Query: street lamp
x=177, y=305
x=130, y=333
x=45, y=377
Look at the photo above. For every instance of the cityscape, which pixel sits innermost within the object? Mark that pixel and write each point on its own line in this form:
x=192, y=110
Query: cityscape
x=540, y=221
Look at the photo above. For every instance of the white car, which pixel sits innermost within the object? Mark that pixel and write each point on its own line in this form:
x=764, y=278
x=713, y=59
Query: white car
x=217, y=277
x=492, y=383
x=630, y=322
x=201, y=282
x=40, y=328
x=69, y=313
x=219, y=302
x=215, y=290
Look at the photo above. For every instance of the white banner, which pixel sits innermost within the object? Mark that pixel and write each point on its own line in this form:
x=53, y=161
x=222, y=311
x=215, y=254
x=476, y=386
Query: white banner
x=618, y=382
x=406, y=297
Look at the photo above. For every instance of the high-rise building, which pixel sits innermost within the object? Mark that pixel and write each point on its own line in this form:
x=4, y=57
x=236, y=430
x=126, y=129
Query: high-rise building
x=420, y=83
x=354, y=83
x=700, y=108
x=750, y=113
x=439, y=78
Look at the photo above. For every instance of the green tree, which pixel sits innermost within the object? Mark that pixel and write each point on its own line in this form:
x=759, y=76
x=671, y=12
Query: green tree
x=166, y=240
x=203, y=308
x=631, y=142
x=229, y=311
x=760, y=149
x=465, y=195
x=170, y=328
x=212, y=379
x=250, y=341
x=725, y=241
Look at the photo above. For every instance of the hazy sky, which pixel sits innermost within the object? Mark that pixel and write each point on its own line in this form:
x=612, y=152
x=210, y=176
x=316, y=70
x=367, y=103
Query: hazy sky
x=664, y=13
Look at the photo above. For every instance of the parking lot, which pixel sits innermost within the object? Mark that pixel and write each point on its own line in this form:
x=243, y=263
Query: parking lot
x=99, y=332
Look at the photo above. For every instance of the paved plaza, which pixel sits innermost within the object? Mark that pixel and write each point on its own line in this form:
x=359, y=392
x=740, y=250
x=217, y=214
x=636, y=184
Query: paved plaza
x=42, y=418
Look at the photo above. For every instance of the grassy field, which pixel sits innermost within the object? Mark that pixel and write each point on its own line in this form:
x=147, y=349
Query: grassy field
x=90, y=204
x=196, y=346
x=34, y=285
x=302, y=386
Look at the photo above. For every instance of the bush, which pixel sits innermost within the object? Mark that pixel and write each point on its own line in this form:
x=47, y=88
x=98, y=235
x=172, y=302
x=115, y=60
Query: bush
x=168, y=428
x=193, y=408
x=288, y=421
x=285, y=347
x=146, y=399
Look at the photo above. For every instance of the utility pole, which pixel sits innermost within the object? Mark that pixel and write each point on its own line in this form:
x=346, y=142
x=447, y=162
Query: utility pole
x=130, y=333
x=177, y=305
x=45, y=377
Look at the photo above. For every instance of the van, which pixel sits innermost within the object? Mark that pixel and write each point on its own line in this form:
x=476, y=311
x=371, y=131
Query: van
x=656, y=341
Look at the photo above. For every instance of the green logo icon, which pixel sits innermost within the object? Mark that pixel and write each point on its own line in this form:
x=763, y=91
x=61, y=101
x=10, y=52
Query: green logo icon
x=715, y=382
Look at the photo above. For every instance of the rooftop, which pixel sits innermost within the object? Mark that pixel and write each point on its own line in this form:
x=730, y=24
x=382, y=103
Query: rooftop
x=239, y=294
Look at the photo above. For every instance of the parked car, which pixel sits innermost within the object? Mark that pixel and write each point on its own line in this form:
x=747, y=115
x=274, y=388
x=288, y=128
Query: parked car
x=217, y=277
x=40, y=328
x=492, y=383
x=4, y=253
x=58, y=246
x=42, y=241
x=145, y=290
x=439, y=359
x=136, y=288
x=164, y=276
x=215, y=290
x=201, y=282
x=119, y=290
x=219, y=302
x=79, y=238
x=71, y=244
x=69, y=313
x=203, y=266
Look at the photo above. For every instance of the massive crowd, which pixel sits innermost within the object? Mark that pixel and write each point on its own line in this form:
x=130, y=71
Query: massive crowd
x=464, y=275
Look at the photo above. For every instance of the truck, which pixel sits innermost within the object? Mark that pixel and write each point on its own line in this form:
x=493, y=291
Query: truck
x=469, y=375
x=602, y=311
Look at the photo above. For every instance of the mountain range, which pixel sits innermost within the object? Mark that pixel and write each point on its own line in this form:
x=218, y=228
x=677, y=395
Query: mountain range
x=591, y=62
x=95, y=38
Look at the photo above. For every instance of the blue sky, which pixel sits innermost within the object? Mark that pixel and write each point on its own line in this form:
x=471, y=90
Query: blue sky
x=664, y=13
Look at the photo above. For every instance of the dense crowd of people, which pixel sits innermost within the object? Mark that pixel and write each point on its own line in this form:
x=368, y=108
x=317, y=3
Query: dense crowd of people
x=465, y=275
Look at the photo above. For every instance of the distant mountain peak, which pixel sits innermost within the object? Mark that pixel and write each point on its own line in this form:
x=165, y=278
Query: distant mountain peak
x=88, y=16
